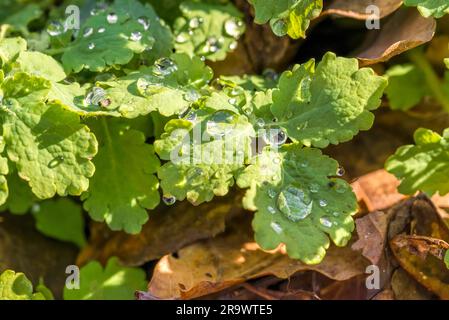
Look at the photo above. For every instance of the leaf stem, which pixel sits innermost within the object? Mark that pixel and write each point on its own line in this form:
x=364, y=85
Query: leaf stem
x=432, y=79
x=52, y=52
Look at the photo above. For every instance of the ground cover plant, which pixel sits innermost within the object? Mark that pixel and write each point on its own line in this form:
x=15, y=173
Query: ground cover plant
x=226, y=141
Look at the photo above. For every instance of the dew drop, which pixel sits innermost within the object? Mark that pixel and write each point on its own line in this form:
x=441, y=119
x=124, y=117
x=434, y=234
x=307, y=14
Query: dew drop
x=55, y=29
x=326, y=222
x=101, y=30
x=88, y=32
x=192, y=95
x=181, y=38
x=335, y=214
x=56, y=162
x=220, y=123
x=164, y=67
x=232, y=101
x=272, y=193
x=233, y=28
x=112, y=18
x=340, y=171
x=91, y=46
x=314, y=187
x=276, y=227
x=233, y=45
x=136, y=36
x=271, y=210
x=35, y=208
x=168, y=199
x=279, y=27
x=323, y=203
x=294, y=203
x=144, y=22
x=213, y=44
x=275, y=137
x=95, y=96
x=270, y=74
x=195, y=22
x=260, y=123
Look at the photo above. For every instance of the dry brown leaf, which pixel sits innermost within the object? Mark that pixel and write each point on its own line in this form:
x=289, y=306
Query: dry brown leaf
x=356, y=9
x=232, y=258
x=404, y=287
x=167, y=230
x=422, y=257
x=372, y=233
x=404, y=30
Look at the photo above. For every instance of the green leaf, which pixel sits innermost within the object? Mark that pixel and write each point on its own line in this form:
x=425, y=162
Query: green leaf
x=123, y=157
x=47, y=143
x=428, y=8
x=4, y=190
x=286, y=16
x=20, y=19
x=114, y=282
x=299, y=202
x=112, y=37
x=20, y=198
x=61, y=219
x=10, y=48
x=423, y=166
x=406, y=86
x=208, y=29
x=16, y=286
x=172, y=85
x=329, y=105
x=41, y=65
x=206, y=150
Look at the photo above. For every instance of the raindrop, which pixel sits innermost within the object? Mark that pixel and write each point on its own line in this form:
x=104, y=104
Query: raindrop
x=335, y=214
x=233, y=28
x=91, y=46
x=340, y=187
x=276, y=227
x=272, y=193
x=220, y=123
x=271, y=210
x=323, y=203
x=233, y=45
x=279, y=27
x=195, y=22
x=326, y=222
x=144, y=22
x=95, y=96
x=203, y=58
x=314, y=187
x=112, y=18
x=275, y=137
x=213, y=44
x=101, y=30
x=168, y=199
x=294, y=203
x=340, y=171
x=55, y=162
x=181, y=38
x=55, y=29
x=35, y=208
x=304, y=164
x=270, y=74
x=88, y=32
x=136, y=36
x=192, y=95
x=164, y=67
x=260, y=123
x=233, y=101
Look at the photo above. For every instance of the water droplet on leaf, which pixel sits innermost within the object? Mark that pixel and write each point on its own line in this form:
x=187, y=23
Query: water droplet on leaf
x=168, y=199
x=55, y=29
x=112, y=18
x=326, y=222
x=164, y=67
x=276, y=227
x=279, y=28
x=88, y=32
x=271, y=210
x=144, y=22
x=220, y=123
x=323, y=203
x=91, y=46
x=294, y=203
x=233, y=28
x=136, y=36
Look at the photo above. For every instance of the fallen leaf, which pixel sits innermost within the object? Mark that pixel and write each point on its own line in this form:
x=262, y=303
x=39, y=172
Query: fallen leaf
x=404, y=30
x=168, y=229
x=232, y=258
x=357, y=9
x=422, y=257
x=404, y=287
